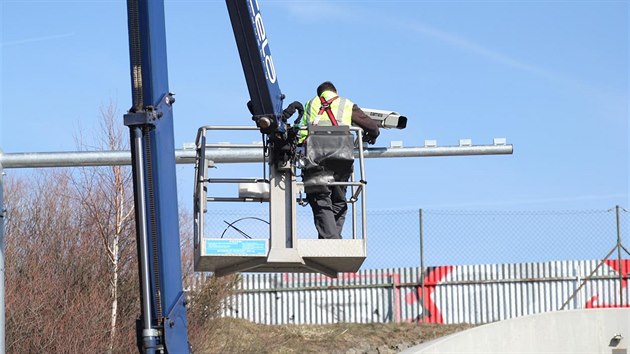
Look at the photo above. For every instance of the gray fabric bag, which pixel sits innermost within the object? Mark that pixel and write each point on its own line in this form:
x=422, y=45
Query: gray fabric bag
x=329, y=150
x=329, y=145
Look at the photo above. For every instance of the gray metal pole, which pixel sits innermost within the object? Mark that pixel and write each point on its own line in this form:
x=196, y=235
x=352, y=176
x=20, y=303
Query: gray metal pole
x=149, y=335
x=621, y=275
x=223, y=155
x=421, y=264
x=2, y=214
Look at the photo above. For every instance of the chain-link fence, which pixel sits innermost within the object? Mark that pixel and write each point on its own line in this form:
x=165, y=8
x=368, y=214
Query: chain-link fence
x=477, y=237
x=445, y=266
x=455, y=237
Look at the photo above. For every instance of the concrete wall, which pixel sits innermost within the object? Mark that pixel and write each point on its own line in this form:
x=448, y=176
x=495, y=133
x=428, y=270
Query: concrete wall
x=577, y=331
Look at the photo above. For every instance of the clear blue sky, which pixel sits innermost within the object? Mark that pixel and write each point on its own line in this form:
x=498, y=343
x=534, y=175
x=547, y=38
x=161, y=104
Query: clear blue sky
x=550, y=76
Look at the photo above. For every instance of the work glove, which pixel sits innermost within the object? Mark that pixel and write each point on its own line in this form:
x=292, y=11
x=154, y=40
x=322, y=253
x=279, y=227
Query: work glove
x=370, y=138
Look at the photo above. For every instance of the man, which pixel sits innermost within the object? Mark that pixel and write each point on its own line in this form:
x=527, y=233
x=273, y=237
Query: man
x=329, y=203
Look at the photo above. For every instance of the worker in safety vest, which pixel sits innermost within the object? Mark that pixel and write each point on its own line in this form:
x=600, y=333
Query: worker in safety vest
x=329, y=203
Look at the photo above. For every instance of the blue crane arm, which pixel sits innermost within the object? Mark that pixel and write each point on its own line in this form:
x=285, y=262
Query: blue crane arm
x=163, y=324
x=252, y=41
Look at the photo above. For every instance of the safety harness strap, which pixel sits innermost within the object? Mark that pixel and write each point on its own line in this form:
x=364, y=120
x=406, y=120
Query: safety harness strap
x=326, y=108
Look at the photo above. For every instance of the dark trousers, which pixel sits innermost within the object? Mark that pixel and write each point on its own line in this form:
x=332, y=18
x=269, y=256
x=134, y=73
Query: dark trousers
x=330, y=207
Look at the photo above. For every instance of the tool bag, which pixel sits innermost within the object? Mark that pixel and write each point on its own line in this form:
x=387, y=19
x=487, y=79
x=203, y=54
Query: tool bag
x=329, y=147
x=329, y=150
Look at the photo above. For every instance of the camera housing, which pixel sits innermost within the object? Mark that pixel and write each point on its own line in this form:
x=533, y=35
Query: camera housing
x=386, y=119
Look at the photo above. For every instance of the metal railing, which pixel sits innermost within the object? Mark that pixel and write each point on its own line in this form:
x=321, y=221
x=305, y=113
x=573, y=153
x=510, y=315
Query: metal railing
x=202, y=181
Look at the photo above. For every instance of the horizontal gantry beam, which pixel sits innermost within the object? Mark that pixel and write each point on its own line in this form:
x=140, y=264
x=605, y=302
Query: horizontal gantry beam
x=226, y=154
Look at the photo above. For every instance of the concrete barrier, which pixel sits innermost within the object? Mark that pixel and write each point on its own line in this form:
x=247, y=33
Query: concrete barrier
x=578, y=331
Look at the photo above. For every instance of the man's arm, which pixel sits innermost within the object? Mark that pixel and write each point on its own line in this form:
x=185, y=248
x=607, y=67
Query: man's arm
x=368, y=125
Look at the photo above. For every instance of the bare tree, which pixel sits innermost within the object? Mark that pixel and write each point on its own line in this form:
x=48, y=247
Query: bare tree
x=71, y=272
x=71, y=269
x=53, y=270
x=106, y=196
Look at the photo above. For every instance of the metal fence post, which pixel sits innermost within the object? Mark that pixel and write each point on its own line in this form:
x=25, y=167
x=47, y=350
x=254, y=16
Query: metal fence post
x=2, y=306
x=618, y=246
x=421, y=266
x=621, y=275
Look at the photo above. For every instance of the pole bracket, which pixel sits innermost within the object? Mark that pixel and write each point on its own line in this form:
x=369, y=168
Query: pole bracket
x=150, y=114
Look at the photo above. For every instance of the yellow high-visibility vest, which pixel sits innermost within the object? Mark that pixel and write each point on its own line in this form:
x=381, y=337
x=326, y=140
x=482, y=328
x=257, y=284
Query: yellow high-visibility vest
x=340, y=108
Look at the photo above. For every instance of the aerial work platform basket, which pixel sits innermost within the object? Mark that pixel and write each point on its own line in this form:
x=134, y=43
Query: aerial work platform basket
x=284, y=247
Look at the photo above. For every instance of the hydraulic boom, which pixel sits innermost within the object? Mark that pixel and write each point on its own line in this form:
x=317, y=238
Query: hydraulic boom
x=162, y=327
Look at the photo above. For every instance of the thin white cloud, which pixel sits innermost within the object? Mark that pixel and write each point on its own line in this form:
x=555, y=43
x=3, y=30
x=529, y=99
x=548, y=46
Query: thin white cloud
x=315, y=11
x=36, y=39
x=607, y=97
x=475, y=48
